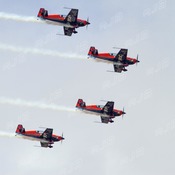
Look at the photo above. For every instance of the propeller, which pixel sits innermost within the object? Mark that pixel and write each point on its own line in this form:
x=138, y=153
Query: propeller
x=123, y=112
x=137, y=59
x=62, y=138
x=87, y=23
x=60, y=34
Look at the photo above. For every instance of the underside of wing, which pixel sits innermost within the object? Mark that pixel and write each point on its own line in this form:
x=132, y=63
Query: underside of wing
x=68, y=31
x=118, y=68
x=44, y=144
x=104, y=119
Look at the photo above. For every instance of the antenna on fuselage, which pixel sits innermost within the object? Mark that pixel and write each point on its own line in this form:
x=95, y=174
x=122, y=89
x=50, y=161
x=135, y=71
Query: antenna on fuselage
x=110, y=71
x=42, y=127
x=104, y=100
x=68, y=8
x=117, y=48
x=37, y=146
x=97, y=122
x=60, y=34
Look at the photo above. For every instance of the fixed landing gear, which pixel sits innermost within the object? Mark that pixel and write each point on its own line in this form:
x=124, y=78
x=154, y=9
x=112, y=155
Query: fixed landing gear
x=111, y=121
x=50, y=146
x=75, y=32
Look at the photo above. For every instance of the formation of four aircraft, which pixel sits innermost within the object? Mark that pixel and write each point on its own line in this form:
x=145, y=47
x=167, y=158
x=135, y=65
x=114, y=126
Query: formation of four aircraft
x=120, y=61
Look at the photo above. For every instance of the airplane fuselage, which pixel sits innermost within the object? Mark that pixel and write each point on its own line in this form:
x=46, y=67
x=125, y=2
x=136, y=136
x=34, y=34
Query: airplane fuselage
x=59, y=20
x=97, y=110
x=37, y=136
x=110, y=59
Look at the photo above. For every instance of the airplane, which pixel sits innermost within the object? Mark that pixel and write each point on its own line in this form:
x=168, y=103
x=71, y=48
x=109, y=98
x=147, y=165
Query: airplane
x=107, y=112
x=45, y=138
x=119, y=60
x=69, y=22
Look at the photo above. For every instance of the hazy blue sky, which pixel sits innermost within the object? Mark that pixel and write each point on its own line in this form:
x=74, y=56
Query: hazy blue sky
x=141, y=143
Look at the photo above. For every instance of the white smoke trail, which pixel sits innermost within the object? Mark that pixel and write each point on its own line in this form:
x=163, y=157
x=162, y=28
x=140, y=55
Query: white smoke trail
x=6, y=134
x=41, y=105
x=19, y=18
x=40, y=52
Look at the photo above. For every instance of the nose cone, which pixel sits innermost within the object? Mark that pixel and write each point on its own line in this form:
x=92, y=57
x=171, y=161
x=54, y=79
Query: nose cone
x=87, y=23
x=60, y=138
x=123, y=112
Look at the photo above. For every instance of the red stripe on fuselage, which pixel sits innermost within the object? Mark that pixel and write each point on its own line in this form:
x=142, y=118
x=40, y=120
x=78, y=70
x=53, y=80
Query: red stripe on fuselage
x=54, y=17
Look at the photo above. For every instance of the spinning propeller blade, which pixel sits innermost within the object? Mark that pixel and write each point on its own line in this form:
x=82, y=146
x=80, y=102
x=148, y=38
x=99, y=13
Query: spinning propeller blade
x=123, y=112
x=87, y=23
x=137, y=59
x=62, y=138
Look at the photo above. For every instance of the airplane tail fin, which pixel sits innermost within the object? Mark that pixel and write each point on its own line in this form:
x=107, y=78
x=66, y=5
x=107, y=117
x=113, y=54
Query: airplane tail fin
x=80, y=104
x=42, y=13
x=92, y=51
x=20, y=129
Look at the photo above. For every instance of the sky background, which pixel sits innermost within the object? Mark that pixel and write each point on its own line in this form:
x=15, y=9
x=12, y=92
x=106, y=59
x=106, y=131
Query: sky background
x=141, y=143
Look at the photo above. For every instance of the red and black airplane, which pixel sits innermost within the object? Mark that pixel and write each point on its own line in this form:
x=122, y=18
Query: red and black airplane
x=46, y=138
x=106, y=112
x=119, y=60
x=69, y=22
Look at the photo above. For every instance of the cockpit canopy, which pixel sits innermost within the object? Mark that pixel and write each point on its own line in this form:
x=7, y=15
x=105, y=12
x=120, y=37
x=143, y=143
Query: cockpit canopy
x=63, y=16
x=100, y=106
x=40, y=132
x=113, y=54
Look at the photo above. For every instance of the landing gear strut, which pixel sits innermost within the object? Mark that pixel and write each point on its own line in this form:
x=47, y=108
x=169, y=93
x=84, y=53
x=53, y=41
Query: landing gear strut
x=125, y=70
x=75, y=32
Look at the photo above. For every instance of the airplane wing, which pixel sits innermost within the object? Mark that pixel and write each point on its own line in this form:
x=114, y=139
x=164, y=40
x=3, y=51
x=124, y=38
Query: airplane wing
x=108, y=108
x=118, y=67
x=44, y=144
x=121, y=56
x=68, y=31
x=47, y=134
x=72, y=16
x=104, y=120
